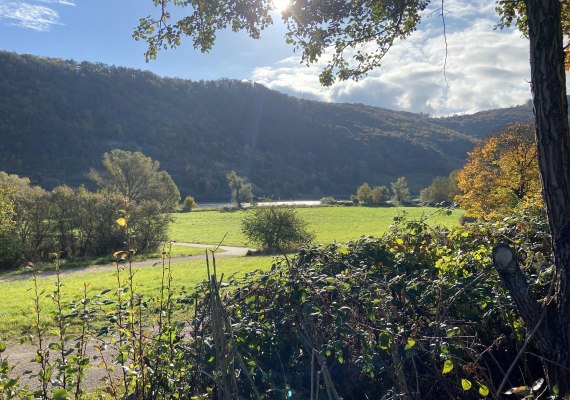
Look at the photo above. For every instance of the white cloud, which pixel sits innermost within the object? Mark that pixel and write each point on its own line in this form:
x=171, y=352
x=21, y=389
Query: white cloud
x=31, y=16
x=63, y=2
x=484, y=68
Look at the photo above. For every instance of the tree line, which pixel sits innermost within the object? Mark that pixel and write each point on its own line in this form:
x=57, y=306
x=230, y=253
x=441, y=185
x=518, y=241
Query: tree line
x=499, y=178
x=65, y=222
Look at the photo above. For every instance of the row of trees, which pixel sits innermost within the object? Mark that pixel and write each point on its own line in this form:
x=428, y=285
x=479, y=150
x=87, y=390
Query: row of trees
x=500, y=176
x=379, y=195
x=35, y=223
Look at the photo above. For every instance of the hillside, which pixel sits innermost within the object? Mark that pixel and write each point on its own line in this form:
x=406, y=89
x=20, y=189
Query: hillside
x=484, y=123
x=58, y=117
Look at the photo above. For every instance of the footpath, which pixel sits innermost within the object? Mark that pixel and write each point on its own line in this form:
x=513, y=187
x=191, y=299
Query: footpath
x=20, y=356
x=224, y=251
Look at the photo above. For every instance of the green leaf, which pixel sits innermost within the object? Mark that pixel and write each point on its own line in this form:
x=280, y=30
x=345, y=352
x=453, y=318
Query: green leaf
x=60, y=394
x=122, y=357
x=483, y=390
x=54, y=346
x=466, y=384
x=2, y=347
x=340, y=359
x=447, y=367
x=384, y=341
x=411, y=343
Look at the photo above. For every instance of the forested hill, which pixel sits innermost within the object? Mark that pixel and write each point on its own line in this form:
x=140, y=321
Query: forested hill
x=484, y=123
x=58, y=117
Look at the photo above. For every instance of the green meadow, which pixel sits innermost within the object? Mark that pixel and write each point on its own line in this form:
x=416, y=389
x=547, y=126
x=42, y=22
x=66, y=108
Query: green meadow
x=330, y=224
x=16, y=297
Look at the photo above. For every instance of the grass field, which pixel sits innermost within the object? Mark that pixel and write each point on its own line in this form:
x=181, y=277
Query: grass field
x=329, y=223
x=16, y=297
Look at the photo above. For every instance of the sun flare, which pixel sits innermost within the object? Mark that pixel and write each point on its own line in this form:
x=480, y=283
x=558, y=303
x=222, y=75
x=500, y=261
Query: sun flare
x=280, y=5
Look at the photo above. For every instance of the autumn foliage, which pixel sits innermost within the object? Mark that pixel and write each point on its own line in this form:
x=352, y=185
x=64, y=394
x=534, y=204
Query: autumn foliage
x=501, y=174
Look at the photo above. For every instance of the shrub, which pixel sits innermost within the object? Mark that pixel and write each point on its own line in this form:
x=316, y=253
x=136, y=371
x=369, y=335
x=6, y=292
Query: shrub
x=329, y=200
x=188, y=204
x=418, y=311
x=276, y=228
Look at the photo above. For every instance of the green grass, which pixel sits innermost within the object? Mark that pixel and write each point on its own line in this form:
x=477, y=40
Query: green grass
x=16, y=297
x=329, y=223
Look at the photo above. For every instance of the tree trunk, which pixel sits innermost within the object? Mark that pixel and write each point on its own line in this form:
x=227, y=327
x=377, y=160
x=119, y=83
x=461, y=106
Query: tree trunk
x=553, y=140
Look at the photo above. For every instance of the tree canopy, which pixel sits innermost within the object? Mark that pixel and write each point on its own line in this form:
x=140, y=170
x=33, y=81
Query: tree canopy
x=6, y=209
x=137, y=177
x=400, y=192
x=275, y=228
x=441, y=190
x=314, y=27
x=240, y=187
x=501, y=173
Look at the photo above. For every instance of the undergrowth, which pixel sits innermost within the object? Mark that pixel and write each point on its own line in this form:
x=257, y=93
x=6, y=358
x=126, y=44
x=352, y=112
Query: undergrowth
x=416, y=314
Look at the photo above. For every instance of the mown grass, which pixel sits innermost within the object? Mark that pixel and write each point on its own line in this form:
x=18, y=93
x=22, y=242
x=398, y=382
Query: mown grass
x=16, y=297
x=330, y=224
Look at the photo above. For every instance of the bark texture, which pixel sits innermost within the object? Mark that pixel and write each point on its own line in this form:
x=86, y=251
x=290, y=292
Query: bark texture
x=553, y=140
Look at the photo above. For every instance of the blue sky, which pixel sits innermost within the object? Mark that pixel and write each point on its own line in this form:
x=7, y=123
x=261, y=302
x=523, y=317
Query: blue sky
x=485, y=68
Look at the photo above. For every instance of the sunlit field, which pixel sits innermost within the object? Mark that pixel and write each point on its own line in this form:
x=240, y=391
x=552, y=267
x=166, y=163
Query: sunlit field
x=329, y=223
x=16, y=298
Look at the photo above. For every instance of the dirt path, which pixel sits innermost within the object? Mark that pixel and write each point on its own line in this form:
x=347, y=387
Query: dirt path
x=20, y=355
x=225, y=251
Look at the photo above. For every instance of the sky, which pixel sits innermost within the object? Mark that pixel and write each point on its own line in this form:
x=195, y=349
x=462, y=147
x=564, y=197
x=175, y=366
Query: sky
x=484, y=69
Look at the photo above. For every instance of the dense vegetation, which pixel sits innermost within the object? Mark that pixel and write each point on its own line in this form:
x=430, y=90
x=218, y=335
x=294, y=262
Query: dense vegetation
x=36, y=224
x=418, y=313
x=58, y=117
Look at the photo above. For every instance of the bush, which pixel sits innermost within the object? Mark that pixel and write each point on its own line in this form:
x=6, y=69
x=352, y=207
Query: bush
x=188, y=204
x=417, y=311
x=329, y=200
x=275, y=228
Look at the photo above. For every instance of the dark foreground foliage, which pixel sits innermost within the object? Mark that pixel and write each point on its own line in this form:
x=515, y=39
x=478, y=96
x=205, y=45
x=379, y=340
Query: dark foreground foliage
x=418, y=313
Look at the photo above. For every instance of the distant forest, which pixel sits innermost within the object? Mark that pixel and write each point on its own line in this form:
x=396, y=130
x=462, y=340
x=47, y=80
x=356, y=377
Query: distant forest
x=57, y=118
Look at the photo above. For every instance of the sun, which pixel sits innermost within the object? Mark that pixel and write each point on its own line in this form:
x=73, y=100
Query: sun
x=280, y=5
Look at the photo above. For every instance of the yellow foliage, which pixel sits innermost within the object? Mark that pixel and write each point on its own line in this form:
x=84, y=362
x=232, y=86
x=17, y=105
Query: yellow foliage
x=501, y=174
